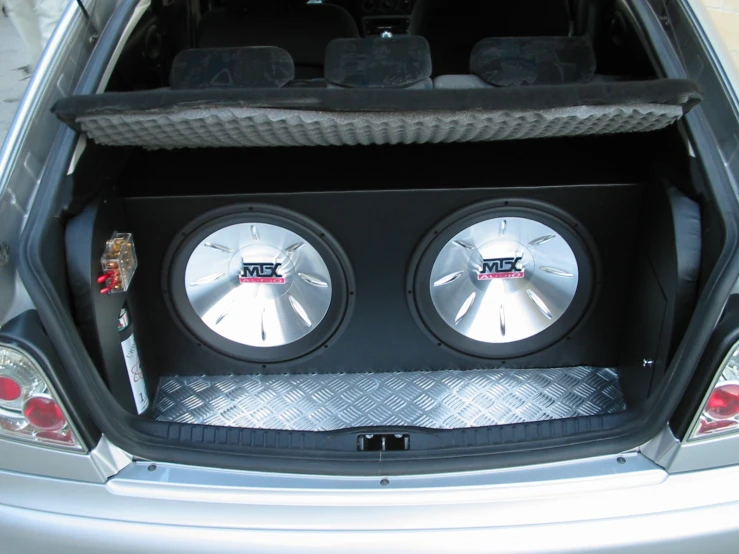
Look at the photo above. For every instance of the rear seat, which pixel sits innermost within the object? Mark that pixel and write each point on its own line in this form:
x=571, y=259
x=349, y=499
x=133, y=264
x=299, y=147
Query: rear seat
x=393, y=62
x=398, y=63
x=402, y=62
x=303, y=30
x=526, y=61
x=232, y=68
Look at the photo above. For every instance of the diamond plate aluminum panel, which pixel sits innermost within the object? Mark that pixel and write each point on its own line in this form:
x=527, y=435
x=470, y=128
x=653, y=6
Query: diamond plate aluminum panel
x=448, y=399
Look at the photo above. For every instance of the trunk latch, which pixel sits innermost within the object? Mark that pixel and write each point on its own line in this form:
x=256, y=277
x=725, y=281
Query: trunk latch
x=384, y=443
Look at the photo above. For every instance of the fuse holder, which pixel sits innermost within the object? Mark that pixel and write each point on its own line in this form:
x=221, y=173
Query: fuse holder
x=118, y=263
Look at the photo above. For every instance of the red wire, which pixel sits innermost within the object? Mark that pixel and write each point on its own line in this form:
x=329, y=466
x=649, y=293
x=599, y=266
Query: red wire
x=105, y=276
x=110, y=287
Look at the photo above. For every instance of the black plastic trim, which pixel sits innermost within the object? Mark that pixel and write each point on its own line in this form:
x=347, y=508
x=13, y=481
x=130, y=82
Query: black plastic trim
x=503, y=446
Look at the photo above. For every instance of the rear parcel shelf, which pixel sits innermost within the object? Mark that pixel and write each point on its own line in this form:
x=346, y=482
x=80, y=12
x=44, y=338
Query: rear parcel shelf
x=311, y=116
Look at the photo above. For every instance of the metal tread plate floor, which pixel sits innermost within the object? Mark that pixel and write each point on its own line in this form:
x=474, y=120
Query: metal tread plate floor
x=447, y=399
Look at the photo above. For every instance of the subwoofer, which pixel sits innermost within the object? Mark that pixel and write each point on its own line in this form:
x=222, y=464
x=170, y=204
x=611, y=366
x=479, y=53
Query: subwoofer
x=502, y=279
x=258, y=283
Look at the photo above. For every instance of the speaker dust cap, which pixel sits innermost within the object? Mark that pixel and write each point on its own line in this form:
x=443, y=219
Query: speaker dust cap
x=260, y=286
x=503, y=282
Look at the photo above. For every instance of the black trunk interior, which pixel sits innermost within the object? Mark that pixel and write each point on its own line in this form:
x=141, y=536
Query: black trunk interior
x=627, y=192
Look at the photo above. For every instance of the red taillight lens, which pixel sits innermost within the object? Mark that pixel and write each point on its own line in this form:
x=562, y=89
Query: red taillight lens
x=707, y=427
x=9, y=389
x=723, y=402
x=44, y=413
x=720, y=412
x=30, y=410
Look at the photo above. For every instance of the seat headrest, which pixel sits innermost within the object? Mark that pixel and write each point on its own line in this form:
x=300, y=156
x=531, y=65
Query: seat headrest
x=245, y=67
x=396, y=62
x=506, y=62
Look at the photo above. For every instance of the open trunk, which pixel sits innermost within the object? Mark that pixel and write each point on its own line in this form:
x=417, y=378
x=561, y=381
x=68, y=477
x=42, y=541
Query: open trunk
x=406, y=278
x=379, y=364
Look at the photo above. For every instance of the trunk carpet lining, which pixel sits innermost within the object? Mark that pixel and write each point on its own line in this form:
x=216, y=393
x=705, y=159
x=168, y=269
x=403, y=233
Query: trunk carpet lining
x=448, y=399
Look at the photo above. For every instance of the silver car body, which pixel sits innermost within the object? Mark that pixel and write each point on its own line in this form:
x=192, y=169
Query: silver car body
x=666, y=496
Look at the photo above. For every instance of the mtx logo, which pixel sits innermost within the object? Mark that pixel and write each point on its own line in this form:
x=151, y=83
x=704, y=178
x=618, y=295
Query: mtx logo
x=501, y=268
x=261, y=273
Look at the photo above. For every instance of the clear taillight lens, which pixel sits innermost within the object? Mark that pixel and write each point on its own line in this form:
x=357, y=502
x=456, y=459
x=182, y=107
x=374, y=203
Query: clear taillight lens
x=720, y=413
x=29, y=408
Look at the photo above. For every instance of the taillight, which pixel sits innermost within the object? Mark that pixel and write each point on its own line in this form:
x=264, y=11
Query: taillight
x=30, y=410
x=720, y=413
x=44, y=413
x=723, y=403
x=9, y=389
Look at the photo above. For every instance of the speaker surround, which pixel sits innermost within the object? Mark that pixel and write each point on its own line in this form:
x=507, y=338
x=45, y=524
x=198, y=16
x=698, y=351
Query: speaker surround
x=258, y=282
x=502, y=279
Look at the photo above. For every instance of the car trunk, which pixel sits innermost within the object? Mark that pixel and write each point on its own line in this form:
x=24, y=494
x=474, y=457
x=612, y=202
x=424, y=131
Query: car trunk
x=382, y=368
x=378, y=270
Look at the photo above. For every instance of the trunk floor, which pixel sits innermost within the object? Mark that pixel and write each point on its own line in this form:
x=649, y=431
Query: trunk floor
x=448, y=399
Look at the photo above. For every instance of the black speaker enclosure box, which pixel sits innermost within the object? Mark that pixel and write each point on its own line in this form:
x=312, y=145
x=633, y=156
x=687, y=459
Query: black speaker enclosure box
x=380, y=231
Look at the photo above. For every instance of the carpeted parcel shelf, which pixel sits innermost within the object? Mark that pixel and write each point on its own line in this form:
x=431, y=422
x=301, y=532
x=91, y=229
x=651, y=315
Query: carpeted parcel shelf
x=165, y=118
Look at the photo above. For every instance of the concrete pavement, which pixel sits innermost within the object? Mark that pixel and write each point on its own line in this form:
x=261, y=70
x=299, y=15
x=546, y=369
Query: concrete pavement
x=12, y=81
x=725, y=16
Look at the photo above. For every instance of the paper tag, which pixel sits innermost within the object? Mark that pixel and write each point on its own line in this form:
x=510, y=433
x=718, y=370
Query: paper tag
x=135, y=374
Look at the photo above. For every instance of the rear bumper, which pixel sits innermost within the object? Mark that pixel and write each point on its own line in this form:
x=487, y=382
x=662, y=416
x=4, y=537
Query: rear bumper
x=597, y=505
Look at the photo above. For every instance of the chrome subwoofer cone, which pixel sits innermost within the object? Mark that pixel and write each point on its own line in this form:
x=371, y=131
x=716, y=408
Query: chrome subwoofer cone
x=502, y=281
x=259, y=283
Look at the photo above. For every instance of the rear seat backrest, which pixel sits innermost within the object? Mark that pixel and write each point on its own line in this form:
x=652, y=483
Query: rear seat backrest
x=303, y=30
x=525, y=61
x=397, y=62
x=507, y=62
x=248, y=67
